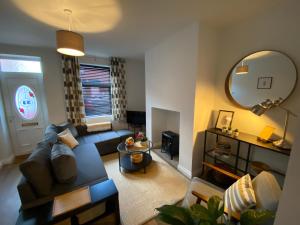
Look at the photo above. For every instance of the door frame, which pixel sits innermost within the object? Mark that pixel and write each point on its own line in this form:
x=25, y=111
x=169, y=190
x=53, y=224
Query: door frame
x=43, y=103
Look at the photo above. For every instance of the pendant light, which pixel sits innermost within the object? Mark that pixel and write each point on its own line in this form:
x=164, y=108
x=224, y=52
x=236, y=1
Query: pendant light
x=69, y=42
x=243, y=69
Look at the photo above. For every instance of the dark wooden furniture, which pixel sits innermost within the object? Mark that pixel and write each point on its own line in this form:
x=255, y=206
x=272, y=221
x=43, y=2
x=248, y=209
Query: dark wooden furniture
x=105, y=191
x=125, y=153
x=245, y=138
x=170, y=143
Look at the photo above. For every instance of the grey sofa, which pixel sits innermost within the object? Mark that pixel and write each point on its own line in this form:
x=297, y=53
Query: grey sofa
x=90, y=168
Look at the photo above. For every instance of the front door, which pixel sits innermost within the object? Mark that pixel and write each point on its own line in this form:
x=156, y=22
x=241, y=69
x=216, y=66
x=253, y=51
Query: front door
x=25, y=110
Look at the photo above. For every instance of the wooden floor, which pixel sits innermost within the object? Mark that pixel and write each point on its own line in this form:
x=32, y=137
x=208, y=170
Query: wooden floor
x=9, y=198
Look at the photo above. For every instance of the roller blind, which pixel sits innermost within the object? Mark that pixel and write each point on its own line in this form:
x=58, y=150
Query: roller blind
x=96, y=89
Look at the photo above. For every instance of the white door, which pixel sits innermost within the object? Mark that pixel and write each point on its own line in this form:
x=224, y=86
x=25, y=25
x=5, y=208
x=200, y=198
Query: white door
x=24, y=110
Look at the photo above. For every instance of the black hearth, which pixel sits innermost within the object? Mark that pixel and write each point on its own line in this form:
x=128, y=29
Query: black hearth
x=170, y=143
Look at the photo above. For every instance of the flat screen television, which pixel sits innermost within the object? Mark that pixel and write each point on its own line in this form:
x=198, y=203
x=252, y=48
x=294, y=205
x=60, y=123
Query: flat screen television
x=136, y=117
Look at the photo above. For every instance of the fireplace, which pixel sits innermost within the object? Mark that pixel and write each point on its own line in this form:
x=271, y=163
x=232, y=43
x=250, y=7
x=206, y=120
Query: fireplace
x=170, y=143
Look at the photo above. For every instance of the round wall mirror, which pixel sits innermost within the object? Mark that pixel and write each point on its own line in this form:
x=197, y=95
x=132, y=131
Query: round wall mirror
x=260, y=76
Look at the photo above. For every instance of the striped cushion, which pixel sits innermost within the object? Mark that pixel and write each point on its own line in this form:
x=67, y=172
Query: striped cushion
x=240, y=195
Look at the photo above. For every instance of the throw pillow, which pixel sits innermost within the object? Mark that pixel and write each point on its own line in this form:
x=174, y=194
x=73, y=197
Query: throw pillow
x=240, y=195
x=37, y=170
x=69, y=126
x=67, y=138
x=267, y=191
x=63, y=163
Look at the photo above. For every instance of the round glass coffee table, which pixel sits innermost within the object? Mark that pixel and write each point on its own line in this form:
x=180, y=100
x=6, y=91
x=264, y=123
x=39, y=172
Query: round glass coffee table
x=134, y=158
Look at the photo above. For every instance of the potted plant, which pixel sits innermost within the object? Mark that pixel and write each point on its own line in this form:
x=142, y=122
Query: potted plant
x=212, y=215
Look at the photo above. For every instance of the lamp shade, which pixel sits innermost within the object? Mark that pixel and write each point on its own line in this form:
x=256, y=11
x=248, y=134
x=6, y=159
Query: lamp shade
x=242, y=69
x=69, y=43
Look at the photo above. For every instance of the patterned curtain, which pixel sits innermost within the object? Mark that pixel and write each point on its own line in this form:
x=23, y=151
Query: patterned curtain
x=118, y=89
x=73, y=90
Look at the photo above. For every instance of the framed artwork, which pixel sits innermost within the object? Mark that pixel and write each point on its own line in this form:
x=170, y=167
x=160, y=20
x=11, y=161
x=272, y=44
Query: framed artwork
x=224, y=119
x=264, y=82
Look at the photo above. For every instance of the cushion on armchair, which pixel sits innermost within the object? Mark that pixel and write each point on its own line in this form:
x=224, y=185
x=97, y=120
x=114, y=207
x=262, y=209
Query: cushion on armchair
x=240, y=195
x=267, y=191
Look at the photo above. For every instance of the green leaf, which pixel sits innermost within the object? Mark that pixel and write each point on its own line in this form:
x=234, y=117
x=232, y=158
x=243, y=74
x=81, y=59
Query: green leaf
x=199, y=212
x=169, y=219
x=215, y=209
x=172, y=212
x=256, y=217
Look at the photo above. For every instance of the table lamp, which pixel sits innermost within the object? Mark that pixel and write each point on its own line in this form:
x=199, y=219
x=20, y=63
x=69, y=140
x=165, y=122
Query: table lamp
x=261, y=108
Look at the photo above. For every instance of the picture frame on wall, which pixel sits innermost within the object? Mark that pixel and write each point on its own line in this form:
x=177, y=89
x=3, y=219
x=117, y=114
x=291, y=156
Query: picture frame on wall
x=224, y=119
x=264, y=82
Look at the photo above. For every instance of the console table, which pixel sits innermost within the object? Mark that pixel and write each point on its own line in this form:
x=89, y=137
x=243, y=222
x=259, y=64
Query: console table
x=250, y=140
x=105, y=191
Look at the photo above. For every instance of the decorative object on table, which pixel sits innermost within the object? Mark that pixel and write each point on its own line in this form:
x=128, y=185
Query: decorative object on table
x=136, y=157
x=236, y=133
x=214, y=214
x=264, y=82
x=266, y=134
x=229, y=131
x=222, y=149
x=257, y=167
x=140, y=136
x=224, y=130
x=224, y=119
x=261, y=108
x=129, y=141
x=71, y=200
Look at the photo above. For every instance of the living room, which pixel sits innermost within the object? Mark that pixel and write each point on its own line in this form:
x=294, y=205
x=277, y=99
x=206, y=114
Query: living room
x=171, y=65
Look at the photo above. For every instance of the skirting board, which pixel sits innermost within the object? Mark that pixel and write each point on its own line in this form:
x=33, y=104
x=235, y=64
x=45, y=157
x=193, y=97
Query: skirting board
x=185, y=171
x=6, y=161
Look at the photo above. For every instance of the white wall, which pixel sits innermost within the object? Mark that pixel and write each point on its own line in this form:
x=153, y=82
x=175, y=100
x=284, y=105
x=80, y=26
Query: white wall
x=170, y=85
x=180, y=77
x=135, y=85
x=288, y=209
x=5, y=144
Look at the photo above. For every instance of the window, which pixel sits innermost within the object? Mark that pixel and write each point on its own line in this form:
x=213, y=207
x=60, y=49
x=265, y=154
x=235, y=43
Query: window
x=24, y=64
x=25, y=102
x=96, y=89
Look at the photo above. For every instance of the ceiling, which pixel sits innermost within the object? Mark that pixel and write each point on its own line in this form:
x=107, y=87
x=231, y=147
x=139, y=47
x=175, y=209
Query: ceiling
x=125, y=28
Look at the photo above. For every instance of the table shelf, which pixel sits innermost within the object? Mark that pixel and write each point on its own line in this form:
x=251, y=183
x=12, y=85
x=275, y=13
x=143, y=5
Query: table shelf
x=245, y=138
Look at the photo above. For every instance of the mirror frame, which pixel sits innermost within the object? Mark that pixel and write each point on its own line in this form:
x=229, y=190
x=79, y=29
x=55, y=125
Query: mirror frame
x=227, y=91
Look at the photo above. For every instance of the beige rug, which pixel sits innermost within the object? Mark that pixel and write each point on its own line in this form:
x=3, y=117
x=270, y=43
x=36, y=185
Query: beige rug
x=140, y=194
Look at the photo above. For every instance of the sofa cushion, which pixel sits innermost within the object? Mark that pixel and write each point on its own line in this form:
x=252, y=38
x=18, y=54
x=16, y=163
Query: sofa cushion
x=52, y=129
x=37, y=170
x=69, y=126
x=267, y=191
x=108, y=135
x=124, y=134
x=90, y=169
x=63, y=163
x=67, y=138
